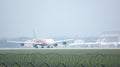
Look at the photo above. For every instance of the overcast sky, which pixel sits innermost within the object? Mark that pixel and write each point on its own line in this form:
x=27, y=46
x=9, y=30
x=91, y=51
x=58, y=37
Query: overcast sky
x=58, y=17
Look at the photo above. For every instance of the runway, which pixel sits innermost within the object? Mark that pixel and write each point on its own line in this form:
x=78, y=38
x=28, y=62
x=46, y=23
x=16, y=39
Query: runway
x=51, y=48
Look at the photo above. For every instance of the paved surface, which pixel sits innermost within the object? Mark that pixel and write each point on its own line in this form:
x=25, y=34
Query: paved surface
x=49, y=48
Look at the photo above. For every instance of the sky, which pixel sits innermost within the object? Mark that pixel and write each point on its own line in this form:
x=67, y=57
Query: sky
x=58, y=17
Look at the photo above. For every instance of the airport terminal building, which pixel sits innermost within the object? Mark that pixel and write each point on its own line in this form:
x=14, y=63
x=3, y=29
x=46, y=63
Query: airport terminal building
x=109, y=39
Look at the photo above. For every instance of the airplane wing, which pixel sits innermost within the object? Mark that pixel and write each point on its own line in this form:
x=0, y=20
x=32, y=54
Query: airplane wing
x=89, y=43
x=28, y=43
x=13, y=41
x=63, y=41
x=20, y=42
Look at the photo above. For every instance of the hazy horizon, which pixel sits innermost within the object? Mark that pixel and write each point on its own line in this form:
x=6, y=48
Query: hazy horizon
x=58, y=17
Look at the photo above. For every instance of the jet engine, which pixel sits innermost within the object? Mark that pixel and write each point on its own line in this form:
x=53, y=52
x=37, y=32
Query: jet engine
x=22, y=44
x=64, y=43
x=55, y=45
x=35, y=45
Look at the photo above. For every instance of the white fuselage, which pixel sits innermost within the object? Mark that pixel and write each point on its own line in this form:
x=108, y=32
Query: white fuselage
x=44, y=41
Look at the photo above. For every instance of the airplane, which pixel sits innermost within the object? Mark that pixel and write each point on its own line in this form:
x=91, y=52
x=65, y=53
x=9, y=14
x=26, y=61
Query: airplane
x=36, y=43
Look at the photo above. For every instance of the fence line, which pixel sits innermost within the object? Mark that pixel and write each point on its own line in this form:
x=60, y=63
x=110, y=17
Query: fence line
x=41, y=60
x=45, y=64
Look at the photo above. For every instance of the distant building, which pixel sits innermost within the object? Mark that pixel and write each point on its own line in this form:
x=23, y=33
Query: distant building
x=79, y=41
x=110, y=36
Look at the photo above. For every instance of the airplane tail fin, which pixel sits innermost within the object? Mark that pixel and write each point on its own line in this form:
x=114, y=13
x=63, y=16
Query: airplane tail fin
x=34, y=34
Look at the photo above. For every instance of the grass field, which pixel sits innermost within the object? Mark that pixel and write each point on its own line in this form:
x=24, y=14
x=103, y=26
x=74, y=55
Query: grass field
x=67, y=57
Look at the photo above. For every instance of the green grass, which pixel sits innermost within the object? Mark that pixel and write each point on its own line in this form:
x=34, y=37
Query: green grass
x=69, y=57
